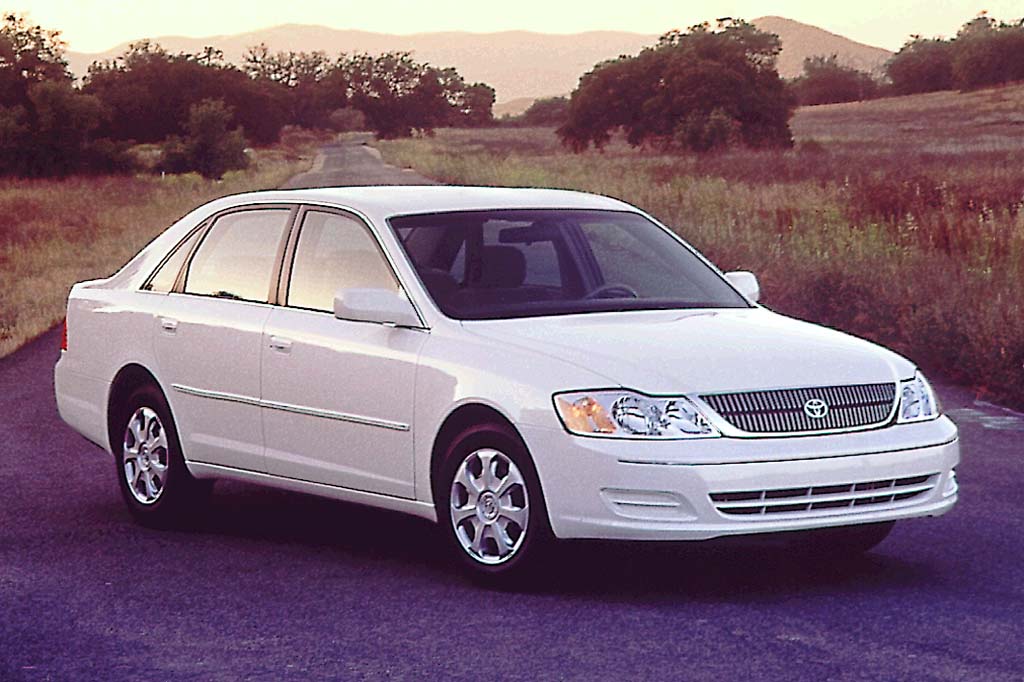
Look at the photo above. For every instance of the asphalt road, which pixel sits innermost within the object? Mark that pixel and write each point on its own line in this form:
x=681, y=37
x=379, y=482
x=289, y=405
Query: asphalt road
x=272, y=585
x=353, y=162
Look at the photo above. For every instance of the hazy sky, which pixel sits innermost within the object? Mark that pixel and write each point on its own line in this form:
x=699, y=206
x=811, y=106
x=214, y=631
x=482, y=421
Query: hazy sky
x=93, y=25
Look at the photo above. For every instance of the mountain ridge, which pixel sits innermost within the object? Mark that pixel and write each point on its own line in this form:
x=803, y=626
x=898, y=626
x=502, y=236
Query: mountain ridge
x=521, y=65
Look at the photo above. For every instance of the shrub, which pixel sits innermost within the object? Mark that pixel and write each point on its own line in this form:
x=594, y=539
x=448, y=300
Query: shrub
x=546, y=111
x=701, y=132
x=210, y=147
x=826, y=81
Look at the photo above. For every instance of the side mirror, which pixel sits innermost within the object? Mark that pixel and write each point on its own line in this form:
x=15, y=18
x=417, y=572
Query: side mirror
x=375, y=305
x=746, y=283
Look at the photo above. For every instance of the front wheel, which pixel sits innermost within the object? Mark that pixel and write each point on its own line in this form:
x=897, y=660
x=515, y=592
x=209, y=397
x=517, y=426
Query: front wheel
x=151, y=472
x=490, y=503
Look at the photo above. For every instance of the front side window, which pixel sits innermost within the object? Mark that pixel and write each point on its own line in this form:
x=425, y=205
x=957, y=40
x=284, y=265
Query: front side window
x=335, y=252
x=521, y=263
x=237, y=258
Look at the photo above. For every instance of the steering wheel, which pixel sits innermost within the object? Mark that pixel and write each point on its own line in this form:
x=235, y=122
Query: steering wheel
x=616, y=290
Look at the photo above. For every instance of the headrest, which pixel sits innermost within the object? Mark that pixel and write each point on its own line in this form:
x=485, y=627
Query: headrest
x=502, y=267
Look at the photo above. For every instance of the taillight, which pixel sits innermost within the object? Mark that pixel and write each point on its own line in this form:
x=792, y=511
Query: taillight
x=64, y=335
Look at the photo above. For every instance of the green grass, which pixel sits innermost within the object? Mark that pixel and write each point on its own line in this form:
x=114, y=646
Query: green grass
x=900, y=220
x=54, y=233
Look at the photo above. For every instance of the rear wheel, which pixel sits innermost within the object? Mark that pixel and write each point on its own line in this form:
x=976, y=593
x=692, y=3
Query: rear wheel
x=151, y=472
x=490, y=504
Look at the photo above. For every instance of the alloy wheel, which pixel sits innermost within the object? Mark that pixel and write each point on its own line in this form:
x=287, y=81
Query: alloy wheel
x=490, y=508
x=145, y=456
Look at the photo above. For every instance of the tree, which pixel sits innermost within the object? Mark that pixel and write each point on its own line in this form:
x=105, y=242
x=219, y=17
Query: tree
x=28, y=54
x=400, y=96
x=547, y=111
x=47, y=127
x=826, y=81
x=474, y=106
x=983, y=53
x=150, y=92
x=686, y=77
x=311, y=85
x=987, y=53
x=921, y=65
x=65, y=122
x=210, y=147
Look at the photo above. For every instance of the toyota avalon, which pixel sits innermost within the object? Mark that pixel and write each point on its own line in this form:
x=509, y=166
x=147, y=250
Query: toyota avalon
x=517, y=365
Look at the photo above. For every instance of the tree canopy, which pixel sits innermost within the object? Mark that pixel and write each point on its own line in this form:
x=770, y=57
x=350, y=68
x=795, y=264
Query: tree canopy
x=826, y=81
x=47, y=127
x=201, y=108
x=983, y=53
x=699, y=89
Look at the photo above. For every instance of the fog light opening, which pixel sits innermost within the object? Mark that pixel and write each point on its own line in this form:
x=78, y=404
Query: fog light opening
x=951, y=485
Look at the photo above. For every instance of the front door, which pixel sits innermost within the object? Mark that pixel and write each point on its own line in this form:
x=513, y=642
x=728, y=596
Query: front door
x=338, y=395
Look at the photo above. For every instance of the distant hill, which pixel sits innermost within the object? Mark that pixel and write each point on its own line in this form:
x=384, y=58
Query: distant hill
x=520, y=65
x=516, y=63
x=800, y=41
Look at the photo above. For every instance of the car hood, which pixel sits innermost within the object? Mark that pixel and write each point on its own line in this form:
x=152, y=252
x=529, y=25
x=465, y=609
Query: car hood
x=692, y=351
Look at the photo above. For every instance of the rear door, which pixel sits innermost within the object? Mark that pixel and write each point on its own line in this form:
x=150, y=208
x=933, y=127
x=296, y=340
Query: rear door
x=209, y=335
x=337, y=394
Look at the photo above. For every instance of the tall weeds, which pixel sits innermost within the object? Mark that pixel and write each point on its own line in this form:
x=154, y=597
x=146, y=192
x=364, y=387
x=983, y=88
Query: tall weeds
x=54, y=233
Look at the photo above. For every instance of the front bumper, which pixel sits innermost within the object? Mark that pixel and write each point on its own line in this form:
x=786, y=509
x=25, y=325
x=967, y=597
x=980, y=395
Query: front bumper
x=695, y=490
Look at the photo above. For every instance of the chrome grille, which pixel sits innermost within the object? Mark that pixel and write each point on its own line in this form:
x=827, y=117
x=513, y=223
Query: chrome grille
x=822, y=497
x=782, y=411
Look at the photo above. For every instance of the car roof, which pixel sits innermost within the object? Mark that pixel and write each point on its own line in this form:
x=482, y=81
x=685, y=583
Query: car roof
x=378, y=203
x=383, y=201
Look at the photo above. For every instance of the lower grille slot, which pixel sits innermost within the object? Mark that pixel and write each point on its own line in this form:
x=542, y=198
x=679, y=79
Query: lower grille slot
x=827, y=498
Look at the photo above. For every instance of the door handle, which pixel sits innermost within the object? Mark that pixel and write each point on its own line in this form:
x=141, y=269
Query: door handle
x=168, y=325
x=280, y=344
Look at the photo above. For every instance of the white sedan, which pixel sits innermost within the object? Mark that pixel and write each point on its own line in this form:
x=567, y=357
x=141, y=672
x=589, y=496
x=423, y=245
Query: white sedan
x=518, y=365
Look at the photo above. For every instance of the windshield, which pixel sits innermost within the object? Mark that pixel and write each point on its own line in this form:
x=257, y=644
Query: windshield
x=480, y=265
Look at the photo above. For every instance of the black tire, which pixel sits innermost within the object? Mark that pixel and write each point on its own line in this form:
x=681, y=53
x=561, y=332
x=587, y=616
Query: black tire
x=844, y=541
x=180, y=495
x=522, y=567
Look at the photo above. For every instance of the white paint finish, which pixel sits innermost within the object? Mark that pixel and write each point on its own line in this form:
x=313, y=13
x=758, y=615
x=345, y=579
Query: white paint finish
x=211, y=471
x=80, y=403
x=215, y=347
x=702, y=351
x=355, y=368
x=375, y=305
x=282, y=397
x=746, y=283
x=578, y=469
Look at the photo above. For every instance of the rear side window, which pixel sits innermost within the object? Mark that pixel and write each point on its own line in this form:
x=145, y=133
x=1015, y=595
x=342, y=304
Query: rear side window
x=165, y=276
x=335, y=252
x=237, y=258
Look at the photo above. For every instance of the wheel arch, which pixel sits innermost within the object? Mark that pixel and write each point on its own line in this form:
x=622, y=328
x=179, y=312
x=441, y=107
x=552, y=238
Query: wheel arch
x=128, y=379
x=458, y=420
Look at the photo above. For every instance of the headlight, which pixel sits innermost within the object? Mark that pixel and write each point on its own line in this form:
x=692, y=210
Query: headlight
x=625, y=414
x=917, y=400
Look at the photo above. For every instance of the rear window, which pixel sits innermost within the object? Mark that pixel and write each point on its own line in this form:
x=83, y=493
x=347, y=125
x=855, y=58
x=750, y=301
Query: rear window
x=238, y=256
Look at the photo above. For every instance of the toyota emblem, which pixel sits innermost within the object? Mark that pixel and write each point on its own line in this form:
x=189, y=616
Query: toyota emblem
x=816, y=408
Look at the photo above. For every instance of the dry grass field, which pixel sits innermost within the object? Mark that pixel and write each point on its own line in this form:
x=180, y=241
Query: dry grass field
x=898, y=220
x=56, y=232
